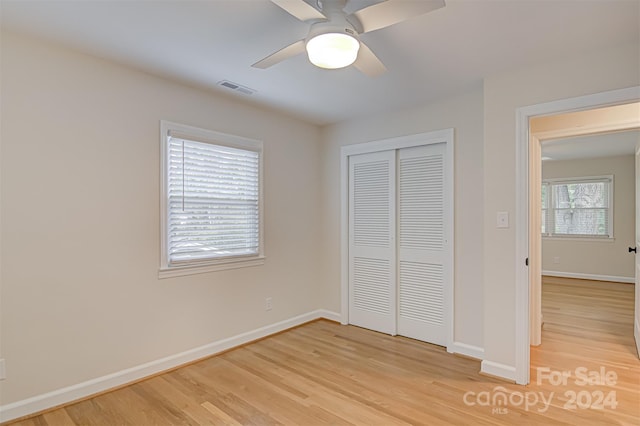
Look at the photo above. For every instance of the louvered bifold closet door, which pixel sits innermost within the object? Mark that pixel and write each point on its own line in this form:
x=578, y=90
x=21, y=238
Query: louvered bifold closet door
x=372, y=247
x=421, y=243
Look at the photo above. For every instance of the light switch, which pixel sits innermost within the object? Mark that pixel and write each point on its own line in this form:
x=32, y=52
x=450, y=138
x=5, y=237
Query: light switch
x=502, y=220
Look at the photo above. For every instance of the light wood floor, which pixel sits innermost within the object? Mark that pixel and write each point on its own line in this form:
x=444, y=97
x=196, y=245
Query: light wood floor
x=325, y=373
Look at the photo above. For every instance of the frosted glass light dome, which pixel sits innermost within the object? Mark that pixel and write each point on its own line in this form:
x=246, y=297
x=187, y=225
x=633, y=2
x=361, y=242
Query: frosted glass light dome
x=332, y=50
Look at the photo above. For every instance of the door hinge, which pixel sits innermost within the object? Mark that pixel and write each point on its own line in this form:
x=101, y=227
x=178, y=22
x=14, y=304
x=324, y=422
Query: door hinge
x=526, y=261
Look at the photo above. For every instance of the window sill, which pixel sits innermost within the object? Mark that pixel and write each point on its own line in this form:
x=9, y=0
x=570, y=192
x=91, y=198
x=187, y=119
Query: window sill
x=582, y=239
x=222, y=265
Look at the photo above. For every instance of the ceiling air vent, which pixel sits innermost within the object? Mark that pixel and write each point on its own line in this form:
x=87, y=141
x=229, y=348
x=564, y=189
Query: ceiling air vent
x=236, y=87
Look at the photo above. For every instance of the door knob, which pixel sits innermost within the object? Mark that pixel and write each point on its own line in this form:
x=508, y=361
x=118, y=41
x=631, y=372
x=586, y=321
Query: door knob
x=633, y=249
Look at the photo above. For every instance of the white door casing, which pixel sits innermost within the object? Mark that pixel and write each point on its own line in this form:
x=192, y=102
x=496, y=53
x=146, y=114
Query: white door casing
x=523, y=206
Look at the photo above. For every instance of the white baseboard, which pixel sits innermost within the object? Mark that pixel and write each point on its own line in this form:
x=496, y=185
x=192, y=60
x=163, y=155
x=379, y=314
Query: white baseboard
x=330, y=315
x=636, y=334
x=498, y=370
x=91, y=387
x=595, y=277
x=467, y=350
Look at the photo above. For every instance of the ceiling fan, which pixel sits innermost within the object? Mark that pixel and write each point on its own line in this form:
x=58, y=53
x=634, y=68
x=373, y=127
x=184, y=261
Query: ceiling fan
x=333, y=40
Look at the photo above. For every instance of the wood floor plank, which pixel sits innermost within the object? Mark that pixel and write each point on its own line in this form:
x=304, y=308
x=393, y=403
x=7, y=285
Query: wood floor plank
x=139, y=410
x=220, y=415
x=58, y=418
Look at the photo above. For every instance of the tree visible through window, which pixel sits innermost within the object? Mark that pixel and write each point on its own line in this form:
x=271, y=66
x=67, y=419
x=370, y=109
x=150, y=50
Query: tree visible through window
x=577, y=207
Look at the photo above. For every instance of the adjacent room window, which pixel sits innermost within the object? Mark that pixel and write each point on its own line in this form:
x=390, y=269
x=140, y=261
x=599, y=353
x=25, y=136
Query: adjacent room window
x=212, y=201
x=578, y=207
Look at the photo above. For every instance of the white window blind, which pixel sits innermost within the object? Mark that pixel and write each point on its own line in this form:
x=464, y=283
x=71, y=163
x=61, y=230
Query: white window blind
x=578, y=207
x=211, y=187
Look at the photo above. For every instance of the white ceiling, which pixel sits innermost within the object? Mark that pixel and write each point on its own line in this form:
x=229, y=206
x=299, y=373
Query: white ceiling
x=428, y=57
x=593, y=146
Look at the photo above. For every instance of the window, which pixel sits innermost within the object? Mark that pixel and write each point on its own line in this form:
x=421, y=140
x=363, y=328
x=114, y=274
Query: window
x=577, y=207
x=211, y=201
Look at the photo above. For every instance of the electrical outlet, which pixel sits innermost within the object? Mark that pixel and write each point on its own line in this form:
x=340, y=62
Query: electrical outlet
x=3, y=371
x=556, y=260
x=268, y=304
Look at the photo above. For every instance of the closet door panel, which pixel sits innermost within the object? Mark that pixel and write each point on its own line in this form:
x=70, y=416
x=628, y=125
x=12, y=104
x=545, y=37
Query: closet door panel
x=372, y=242
x=421, y=243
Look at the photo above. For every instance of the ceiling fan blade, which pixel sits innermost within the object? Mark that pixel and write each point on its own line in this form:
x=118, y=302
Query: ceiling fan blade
x=368, y=63
x=300, y=9
x=391, y=12
x=282, y=54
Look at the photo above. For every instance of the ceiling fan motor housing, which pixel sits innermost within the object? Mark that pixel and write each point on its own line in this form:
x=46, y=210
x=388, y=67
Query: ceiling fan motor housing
x=338, y=26
x=336, y=21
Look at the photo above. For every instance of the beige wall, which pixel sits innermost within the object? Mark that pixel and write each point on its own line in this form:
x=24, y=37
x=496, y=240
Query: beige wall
x=80, y=250
x=464, y=114
x=604, y=257
x=597, y=71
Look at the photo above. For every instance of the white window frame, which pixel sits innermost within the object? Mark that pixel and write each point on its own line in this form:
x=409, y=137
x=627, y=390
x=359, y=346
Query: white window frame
x=549, y=203
x=167, y=270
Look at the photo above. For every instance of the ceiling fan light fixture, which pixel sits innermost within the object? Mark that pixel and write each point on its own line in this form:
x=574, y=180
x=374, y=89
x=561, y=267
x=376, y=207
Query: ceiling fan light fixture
x=333, y=50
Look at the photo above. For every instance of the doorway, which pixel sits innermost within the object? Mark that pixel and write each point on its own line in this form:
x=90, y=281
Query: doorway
x=588, y=224
x=528, y=199
x=575, y=183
